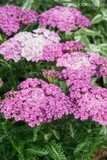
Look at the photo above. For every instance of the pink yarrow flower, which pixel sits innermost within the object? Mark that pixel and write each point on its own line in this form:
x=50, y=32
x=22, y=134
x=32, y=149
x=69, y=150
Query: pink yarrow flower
x=35, y=102
x=64, y=18
x=89, y=102
x=12, y=18
x=80, y=66
x=57, y=50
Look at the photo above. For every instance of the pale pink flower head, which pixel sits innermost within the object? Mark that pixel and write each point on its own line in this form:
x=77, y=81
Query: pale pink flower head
x=29, y=45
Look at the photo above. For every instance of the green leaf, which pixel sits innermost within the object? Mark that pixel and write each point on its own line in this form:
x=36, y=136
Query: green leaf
x=27, y=4
x=97, y=19
x=63, y=86
x=104, y=52
x=56, y=134
x=96, y=3
x=56, y=151
x=94, y=48
x=85, y=41
x=105, y=81
x=104, y=13
x=93, y=81
x=1, y=38
x=89, y=32
x=101, y=48
x=81, y=146
x=35, y=133
x=37, y=151
x=82, y=38
x=72, y=132
x=104, y=130
x=103, y=45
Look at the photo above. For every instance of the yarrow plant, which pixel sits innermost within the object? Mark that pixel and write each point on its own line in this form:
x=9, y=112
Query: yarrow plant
x=76, y=68
x=89, y=101
x=47, y=83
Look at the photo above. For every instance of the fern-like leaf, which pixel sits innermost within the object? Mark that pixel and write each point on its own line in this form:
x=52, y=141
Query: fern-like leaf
x=56, y=151
x=37, y=151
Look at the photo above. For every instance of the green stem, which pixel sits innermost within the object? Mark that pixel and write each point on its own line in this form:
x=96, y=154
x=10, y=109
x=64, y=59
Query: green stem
x=12, y=76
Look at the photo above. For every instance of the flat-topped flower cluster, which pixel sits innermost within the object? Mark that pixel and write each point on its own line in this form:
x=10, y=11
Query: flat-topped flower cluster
x=12, y=18
x=36, y=101
x=66, y=19
x=28, y=45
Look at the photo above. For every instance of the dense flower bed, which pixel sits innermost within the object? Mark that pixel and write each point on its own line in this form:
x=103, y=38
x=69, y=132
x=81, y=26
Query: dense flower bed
x=53, y=79
x=37, y=101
